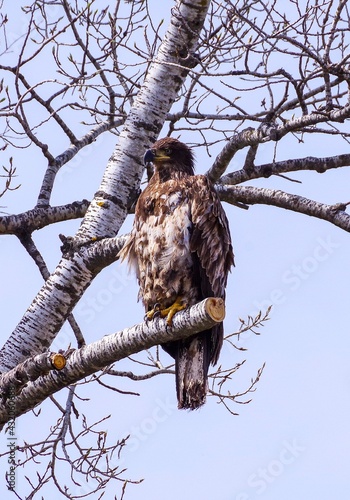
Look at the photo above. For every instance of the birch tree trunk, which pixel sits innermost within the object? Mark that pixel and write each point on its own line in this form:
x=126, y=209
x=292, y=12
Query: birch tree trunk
x=118, y=189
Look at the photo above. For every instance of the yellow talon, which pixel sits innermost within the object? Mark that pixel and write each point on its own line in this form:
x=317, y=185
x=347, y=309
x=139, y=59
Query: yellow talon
x=150, y=314
x=168, y=312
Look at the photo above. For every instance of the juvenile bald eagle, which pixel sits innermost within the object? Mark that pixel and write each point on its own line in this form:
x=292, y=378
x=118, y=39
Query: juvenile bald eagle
x=180, y=247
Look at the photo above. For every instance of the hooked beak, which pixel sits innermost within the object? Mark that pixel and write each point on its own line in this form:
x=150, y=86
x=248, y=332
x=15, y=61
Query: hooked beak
x=155, y=156
x=148, y=157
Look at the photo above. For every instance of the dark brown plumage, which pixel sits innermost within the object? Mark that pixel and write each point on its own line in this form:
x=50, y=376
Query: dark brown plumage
x=180, y=247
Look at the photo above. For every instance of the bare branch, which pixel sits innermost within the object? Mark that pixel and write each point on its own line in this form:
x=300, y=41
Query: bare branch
x=31, y=369
x=66, y=156
x=93, y=357
x=319, y=165
x=132, y=376
x=9, y=175
x=250, y=195
x=38, y=217
x=28, y=243
x=221, y=378
x=270, y=132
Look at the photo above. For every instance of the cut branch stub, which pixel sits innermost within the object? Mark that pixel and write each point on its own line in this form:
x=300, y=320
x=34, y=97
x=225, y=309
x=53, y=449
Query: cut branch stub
x=58, y=361
x=31, y=369
x=215, y=309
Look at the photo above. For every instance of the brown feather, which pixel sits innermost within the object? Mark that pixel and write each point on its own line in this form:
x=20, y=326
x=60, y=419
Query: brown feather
x=180, y=246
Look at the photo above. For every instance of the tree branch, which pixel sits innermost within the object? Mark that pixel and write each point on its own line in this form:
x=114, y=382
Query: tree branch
x=60, y=292
x=270, y=132
x=111, y=348
x=319, y=165
x=40, y=217
x=146, y=376
x=31, y=369
x=251, y=195
x=67, y=155
x=118, y=190
x=28, y=243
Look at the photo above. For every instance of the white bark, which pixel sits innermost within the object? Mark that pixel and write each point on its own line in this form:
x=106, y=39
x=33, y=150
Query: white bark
x=252, y=195
x=38, y=327
x=39, y=217
x=13, y=381
x=165, y=77
x=313, y=163
x=107, y=211
x=111, y=348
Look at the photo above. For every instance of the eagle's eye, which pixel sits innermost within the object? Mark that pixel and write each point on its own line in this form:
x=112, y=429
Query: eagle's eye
x=168, y=151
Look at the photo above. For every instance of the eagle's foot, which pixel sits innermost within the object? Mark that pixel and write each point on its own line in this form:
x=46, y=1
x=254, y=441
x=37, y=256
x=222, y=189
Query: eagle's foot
x=153, y=313
x=169, y=312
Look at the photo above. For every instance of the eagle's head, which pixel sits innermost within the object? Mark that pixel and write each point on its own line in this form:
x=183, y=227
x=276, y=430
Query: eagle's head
x=171, y=155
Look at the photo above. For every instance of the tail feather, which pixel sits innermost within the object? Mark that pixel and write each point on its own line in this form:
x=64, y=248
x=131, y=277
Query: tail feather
x=192, y=359
x=192, y=363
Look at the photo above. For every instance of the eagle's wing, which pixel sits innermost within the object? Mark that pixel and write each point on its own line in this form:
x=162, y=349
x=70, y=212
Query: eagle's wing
x=210, y=243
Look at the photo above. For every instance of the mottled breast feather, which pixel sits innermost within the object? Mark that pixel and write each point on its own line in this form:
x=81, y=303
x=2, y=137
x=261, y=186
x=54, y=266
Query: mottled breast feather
x=180, y=247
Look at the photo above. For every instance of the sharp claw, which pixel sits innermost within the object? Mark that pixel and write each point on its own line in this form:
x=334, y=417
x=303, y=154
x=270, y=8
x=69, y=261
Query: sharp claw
x=167, y=313
x=153, y=313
